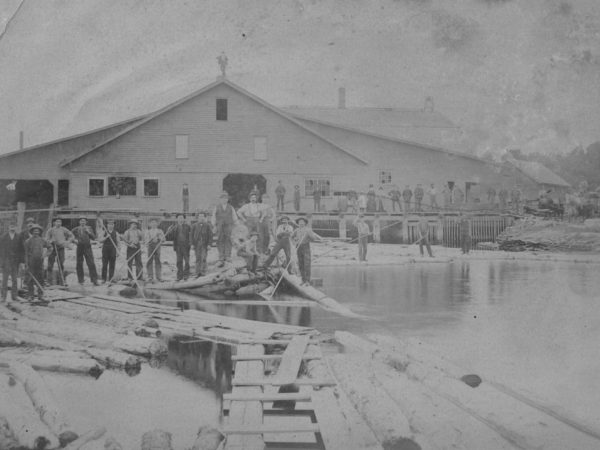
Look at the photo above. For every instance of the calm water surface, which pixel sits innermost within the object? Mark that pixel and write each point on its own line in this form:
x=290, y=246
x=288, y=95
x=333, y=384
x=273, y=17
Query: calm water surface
x=534, y=326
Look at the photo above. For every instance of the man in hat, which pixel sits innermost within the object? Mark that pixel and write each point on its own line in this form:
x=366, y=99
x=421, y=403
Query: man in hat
x=265, y=226
x=26, y=234
x=302, y=238
x=395, y=195
x=419, y=194
x=110, y=249
x=154, y=239
x=283, y=234
x=84, y=235
x=251, y=214
x=11, y=256
x=180, y=234
x=297, y=197
x=423, y=233
x=59, y=238
x=202, y=237
x=223, y=220
x=432, y=192
x=363, y=236
x=34, y=261
x=133, y=238
x=280, y=193
x=249, y=252
x=407, y=196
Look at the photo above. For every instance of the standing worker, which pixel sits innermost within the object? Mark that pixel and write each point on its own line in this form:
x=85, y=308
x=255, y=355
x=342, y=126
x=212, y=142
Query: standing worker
x=280, y=193
x=371, y=199
x=201, y=236
x=363, y=236
x=502, y=197
x=58, y=237
x=133, y=238
x=432, y=192
x=395, y=195
x=181, y=244
x=110, y=243
x=11, y=257
x=84, y=235
x=407, y=196
x=283, y=234
x=34, y=261
x=423, y=232
x=265, y=226
x=419, y=194
x=251, y=213
x=297, y=197
x=302, y=238
x=155, y=237
x=465, y=234
x=223, y=220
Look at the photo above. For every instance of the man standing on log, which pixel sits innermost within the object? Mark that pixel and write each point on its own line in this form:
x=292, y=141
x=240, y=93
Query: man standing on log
x=110, y=242
x=202, y=236
x=423, y=232
x=181, y=244
x=84, y=235
x=223, y=220
x=363, y=237
x=302, y=238
x=280, y=193
x=11, y=256
x=154, y=239
x=283, y=233
x=58, y=237
x=133, y=238
x=34, y=261
x=251, y=214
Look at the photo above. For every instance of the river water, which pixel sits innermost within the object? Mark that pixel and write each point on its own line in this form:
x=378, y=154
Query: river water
x=531, y=325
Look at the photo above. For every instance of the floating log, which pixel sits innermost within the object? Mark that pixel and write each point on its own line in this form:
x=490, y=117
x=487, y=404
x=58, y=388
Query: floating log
x=85, y=438
x=43, y=401
x=53, y=361
x=141, y=346
x=112, y=444
x=112, y=359
x=251, y=290
x=24, y=422
x=156, y=440
x=208, y=438
x=212, y=278
x=314, y=294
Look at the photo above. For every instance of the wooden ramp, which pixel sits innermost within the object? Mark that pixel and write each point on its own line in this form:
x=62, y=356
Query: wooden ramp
x=262, y=410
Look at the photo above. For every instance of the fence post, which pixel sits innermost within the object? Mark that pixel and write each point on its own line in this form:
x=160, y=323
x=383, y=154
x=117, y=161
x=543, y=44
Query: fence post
x=405, y=230
x=342, y=227
x=377, y=229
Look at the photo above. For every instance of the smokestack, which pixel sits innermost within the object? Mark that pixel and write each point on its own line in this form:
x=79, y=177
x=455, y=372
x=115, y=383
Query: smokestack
x=342, y=98
x=21, y=140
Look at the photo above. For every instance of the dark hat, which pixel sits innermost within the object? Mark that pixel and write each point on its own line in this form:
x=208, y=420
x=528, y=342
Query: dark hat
x=83, y=218
x=134, y=220
x=283, y=217
x=29, y=219
x=180, y=214
x=252, y=194
x=224, y=194
x=253, y=233
x=302, y=219
x=153, y=219
x=35, y=226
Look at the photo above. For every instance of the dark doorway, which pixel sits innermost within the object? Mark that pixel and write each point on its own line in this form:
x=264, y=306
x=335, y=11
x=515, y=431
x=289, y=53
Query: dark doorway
x=63, y=192
x=239, y=185
x=36, y=193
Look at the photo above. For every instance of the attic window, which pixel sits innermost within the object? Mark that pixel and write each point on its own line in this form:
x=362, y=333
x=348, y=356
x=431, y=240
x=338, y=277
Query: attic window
x=221, y=109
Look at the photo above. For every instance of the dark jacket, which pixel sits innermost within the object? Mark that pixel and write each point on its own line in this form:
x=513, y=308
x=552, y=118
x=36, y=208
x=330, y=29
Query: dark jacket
x=180, y=234
x=84, y=235
x=12, y=251
x=202, y=234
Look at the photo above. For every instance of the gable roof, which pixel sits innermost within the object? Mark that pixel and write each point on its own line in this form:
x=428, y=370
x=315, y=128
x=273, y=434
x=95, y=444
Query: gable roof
x=196, y=93
x=398, y=140
x=538, y=172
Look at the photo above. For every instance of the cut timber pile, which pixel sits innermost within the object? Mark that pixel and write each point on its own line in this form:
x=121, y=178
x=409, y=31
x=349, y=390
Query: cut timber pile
x=439, y=405
x=537, y=234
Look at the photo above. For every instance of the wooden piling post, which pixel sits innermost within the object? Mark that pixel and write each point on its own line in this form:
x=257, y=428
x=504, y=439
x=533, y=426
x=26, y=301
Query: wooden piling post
x=405, y=230
x=377, y=229
x=342, y=227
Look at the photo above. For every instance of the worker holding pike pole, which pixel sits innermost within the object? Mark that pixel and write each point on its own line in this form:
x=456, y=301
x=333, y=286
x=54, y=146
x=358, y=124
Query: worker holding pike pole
x=423, y=232
x=154, y=239
x=110, y=249
x=34, y=261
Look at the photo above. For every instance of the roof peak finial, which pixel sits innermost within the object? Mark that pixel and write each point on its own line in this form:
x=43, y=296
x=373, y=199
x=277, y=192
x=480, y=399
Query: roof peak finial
x=223, y=61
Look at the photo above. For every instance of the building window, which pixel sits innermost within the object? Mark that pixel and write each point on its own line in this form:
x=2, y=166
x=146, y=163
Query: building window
x=322, y=185
x=121, y=186
x=96, y=187
x=182, y=143
x=385, y=177
x=260, y=148
x=221, y=109
x=150, y=187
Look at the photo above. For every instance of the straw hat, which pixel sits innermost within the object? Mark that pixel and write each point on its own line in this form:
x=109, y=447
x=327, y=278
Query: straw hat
x=303, y=219
x=35, y=226
x=134, y=220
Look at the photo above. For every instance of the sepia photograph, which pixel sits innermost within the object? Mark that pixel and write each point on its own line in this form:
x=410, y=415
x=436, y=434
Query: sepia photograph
x=299, y=224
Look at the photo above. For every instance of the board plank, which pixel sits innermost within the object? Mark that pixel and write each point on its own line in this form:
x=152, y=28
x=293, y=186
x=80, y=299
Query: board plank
x=291, y=361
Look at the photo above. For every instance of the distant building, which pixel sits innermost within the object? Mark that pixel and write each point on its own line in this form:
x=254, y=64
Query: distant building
x=222, y=137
